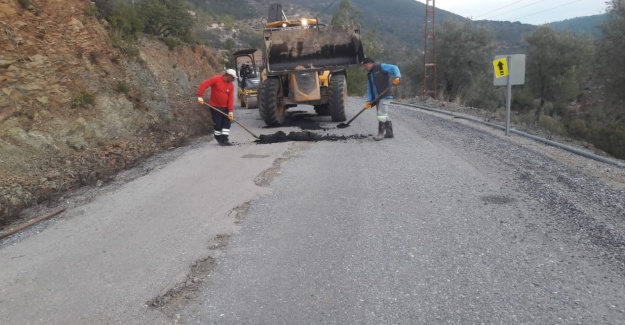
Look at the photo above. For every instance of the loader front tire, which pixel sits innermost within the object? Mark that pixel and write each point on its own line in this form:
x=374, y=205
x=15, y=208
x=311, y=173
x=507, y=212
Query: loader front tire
x=337, y=97
x=269, y=107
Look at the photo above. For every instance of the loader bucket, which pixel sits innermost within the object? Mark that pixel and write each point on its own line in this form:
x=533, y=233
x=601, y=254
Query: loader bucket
x=290, y=50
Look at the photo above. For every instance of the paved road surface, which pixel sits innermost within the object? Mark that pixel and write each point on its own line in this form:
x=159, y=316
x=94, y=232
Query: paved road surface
x=445, y=224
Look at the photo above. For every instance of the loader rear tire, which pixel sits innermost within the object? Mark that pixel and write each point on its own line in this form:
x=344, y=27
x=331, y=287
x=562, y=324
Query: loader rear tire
x=269, y=107
x=337, y=97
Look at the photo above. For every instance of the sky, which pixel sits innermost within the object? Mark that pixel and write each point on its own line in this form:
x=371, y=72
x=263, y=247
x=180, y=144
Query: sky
x=535, y=12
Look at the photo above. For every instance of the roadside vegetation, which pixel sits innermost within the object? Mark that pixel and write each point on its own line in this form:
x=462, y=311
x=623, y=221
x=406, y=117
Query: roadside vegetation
x=574, y=82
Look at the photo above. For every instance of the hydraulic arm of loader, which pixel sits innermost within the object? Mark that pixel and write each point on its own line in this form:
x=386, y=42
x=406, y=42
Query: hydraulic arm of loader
x=292, y=50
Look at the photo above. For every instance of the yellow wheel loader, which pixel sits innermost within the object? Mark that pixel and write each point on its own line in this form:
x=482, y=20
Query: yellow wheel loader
x=248, y=77
x=304, y=63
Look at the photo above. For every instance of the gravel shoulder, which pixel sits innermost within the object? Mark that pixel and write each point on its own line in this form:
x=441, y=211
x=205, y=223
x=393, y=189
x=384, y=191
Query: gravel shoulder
x=585, y=197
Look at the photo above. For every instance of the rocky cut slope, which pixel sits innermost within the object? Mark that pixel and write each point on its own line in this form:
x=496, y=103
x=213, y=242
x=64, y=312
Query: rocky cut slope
x=75, y=110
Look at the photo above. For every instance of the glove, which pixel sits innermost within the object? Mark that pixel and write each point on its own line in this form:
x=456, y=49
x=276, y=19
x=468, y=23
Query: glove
x=396, y=81
x=367, y=105
x=231, y=116
x=200, y=100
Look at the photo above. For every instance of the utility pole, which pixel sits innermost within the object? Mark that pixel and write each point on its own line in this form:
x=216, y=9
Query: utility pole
x=429, y=53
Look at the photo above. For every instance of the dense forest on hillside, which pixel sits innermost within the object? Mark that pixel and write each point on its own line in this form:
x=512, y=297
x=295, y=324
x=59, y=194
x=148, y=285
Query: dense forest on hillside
x=567, y=91
x=588, y=24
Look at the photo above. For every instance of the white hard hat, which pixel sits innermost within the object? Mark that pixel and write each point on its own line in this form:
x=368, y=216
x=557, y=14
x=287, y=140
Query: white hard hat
x=232, y=73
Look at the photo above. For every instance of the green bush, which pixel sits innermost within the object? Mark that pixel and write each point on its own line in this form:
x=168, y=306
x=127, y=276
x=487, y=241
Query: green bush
x=171, y=42
x=578, y=129
x=522, y=99
x=122, y=17
x=551, y=124
x=92, y=11
x=165, y=17
x=562, y=109
x=547, y=107
x=126, y=46
x=526, y=119
x=122, y=87
x=83, y=99
x=610, y=139
x=24, y=4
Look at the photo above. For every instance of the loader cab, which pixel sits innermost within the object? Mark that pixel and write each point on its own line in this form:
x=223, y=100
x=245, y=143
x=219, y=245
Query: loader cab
x=277, y=19
x=248, y=76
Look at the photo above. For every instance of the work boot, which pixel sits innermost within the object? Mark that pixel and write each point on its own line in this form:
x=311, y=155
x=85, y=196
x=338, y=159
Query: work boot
x=389, y=129
x=224, y=142
x=381, y=127
x=218, y=138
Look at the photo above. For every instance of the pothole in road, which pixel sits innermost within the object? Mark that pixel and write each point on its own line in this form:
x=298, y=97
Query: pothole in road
x=280, y=136
x=306, y=122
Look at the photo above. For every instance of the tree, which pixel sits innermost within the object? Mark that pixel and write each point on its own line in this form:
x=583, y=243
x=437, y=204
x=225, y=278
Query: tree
x=122, y=16
x=346, y=14
x=464, y=55
x=357, y=77
x=227, y=56
x=558, y=65
x=412, y=77
x=165, y=17
x=607, y=121
x=612, y=47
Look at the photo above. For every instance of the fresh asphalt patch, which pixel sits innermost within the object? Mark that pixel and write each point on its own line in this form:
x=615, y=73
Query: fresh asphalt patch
x=280, y=136
x=307, y=123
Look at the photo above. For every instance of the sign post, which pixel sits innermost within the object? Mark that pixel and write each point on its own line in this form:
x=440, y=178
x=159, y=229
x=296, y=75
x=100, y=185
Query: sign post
x=508, y=101
x=512, y=67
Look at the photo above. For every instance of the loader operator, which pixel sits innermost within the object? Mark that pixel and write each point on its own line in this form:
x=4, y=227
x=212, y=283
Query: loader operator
x=245, y=71
x=222, y=99
x=377, y=82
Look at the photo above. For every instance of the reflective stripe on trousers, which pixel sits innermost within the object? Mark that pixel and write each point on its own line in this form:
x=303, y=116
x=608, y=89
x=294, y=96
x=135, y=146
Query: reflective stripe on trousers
x=382, y=109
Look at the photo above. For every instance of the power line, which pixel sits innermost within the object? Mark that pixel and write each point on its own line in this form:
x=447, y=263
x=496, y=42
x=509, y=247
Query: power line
x=506, y=6
x=566, y=4
x=533, y=3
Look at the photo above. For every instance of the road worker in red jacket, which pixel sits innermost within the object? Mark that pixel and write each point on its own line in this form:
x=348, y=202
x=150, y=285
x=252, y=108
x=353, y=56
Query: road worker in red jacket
x=222, y=99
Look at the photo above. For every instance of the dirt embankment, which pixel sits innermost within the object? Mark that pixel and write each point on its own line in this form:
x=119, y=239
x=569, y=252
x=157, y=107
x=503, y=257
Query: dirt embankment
x=74, y=110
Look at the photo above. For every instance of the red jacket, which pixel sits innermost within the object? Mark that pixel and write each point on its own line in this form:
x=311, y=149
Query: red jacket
x=222, y=93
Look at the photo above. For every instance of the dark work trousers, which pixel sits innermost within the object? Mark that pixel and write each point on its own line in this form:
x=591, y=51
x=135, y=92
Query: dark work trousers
x=221, y=124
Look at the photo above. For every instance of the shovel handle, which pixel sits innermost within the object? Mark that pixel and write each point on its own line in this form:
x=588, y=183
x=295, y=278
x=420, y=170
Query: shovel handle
x=373, y=101
x=233, y=120
x=355, y=116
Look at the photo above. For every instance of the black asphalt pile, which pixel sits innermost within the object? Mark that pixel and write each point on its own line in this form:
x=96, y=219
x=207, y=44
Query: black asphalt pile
x=303, y=136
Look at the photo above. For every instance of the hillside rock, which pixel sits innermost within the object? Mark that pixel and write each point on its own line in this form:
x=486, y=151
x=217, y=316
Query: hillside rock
x=75, y=110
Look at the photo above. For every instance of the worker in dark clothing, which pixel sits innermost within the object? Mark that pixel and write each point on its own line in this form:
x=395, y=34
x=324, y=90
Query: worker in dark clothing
x=222, y=99
x=378, y=76
x=245, y=71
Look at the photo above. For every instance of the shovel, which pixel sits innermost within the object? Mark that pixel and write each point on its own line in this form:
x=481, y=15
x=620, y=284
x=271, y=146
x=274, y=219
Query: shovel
x=233, y=120
x=344, y=125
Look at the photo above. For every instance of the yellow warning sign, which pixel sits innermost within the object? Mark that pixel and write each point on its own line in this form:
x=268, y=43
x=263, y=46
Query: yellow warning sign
x=501, y=67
